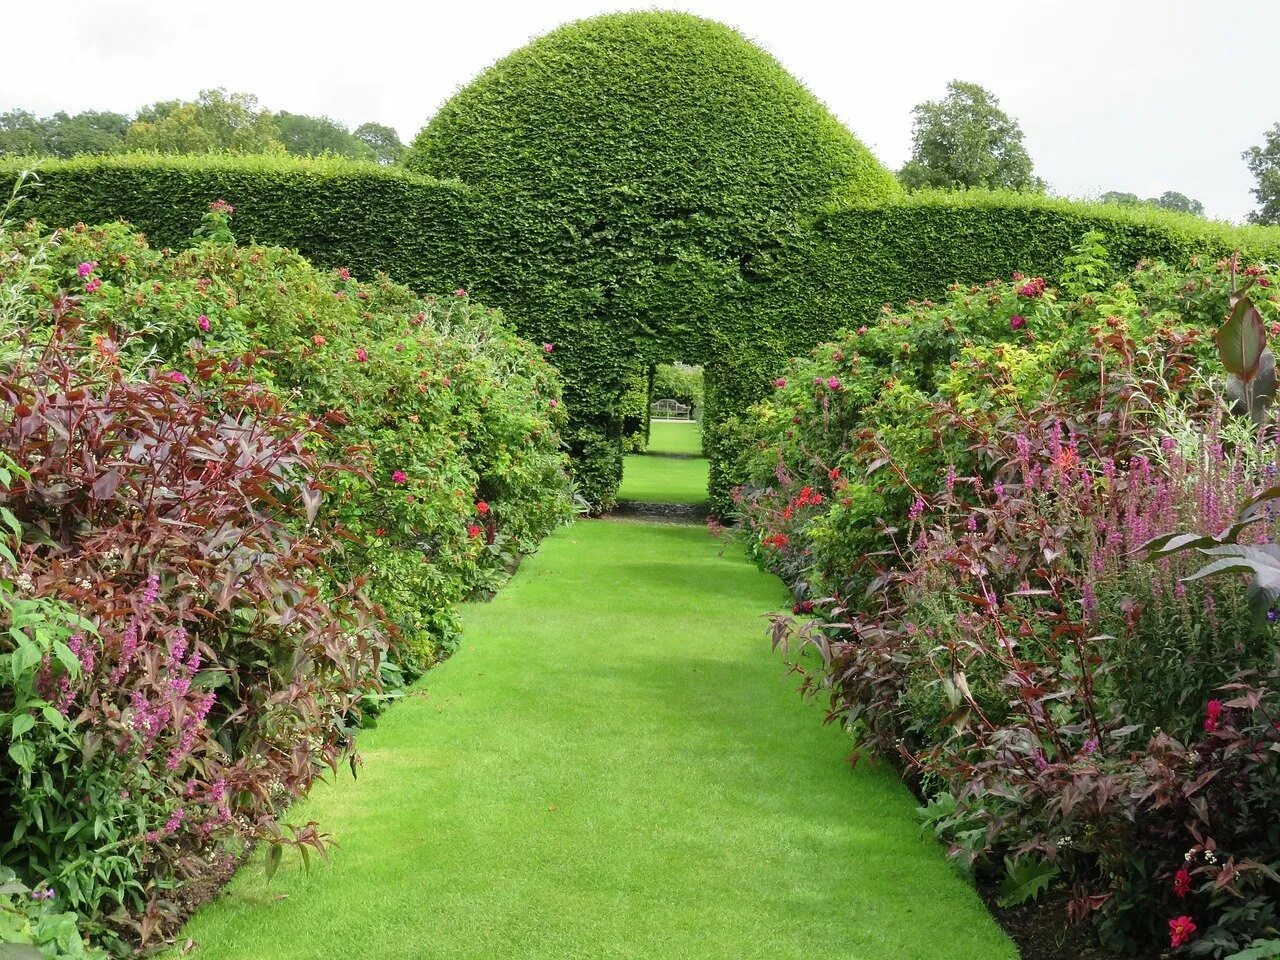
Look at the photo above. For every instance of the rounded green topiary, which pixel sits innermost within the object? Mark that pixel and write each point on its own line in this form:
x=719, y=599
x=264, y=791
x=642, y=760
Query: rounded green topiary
x=633, y=167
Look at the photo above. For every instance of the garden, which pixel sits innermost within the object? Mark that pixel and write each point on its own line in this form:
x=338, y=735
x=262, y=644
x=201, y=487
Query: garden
x=392, y=543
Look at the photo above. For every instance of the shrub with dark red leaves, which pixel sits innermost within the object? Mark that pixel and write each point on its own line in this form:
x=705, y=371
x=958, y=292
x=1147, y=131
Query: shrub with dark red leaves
x=222, y=674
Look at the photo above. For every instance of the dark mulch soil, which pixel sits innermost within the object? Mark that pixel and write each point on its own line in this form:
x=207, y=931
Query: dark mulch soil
x=661, y=512
x=1041, y=929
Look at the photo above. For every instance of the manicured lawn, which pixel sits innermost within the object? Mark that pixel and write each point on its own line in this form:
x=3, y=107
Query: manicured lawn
x=664, y=479
x=614, y=766
x=675, y=436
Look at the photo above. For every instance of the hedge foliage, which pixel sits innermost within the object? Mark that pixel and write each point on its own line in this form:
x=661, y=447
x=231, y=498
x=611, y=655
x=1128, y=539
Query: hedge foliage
x=632, y=167
x=640, y=188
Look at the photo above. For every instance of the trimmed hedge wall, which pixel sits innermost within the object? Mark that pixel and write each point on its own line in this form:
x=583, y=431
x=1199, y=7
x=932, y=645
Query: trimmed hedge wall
x=336, y=212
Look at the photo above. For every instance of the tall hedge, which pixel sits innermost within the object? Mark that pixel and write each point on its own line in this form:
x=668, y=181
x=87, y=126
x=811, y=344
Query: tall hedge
x=633, y=167
x=336, y=212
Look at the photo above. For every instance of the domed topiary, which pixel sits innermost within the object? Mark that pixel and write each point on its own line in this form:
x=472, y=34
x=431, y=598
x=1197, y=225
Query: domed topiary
x=633, y=166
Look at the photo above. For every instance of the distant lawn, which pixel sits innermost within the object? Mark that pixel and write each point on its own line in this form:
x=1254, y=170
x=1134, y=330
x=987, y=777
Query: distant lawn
x=675, y=436
x=664, y=479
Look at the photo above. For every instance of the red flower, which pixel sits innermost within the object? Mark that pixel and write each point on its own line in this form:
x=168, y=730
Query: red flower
x=1182, y=882
x=1180, y=931
x=482, y=507
x=473, y=531
x=1212, y=713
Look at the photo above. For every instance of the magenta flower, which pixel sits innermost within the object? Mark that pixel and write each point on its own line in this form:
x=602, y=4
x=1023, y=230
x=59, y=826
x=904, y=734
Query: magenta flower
x=203, y=323
x=833, y=383
x=87, y=268
x=176, y=376
x=1017, y=322
x=399, y=476
x=362, y=355
x=93, y=285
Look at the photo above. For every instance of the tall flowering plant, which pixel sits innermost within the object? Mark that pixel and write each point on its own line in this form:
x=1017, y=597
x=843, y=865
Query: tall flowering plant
x=217, y=675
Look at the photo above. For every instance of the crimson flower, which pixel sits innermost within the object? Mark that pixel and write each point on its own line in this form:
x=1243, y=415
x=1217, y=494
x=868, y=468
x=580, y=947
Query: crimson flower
x=1180, y=930
x=1182, y=882
x=1212, y=714
x=473, y=531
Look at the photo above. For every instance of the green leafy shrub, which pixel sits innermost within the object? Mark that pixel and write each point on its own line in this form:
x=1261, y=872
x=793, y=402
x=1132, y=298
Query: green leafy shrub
x=456, y=418
x=959, y=495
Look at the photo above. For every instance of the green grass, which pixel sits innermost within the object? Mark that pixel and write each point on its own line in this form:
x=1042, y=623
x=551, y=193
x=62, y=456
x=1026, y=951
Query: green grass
x=614, y=766
x=675, y=436
x=663, y=479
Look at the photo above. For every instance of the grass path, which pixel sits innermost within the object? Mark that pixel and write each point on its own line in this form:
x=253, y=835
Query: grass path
x=655, y=477
x=614, y=766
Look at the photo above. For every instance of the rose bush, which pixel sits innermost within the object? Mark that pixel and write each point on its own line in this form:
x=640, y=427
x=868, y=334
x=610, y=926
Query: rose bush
x=959, y=496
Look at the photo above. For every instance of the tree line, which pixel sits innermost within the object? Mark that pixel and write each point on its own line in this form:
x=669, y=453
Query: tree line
x=216, y=121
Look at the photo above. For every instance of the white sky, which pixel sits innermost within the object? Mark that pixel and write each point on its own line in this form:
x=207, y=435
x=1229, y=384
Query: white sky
x=1136, y=95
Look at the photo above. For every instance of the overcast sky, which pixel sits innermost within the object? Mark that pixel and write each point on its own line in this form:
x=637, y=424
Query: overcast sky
x=1135, y=95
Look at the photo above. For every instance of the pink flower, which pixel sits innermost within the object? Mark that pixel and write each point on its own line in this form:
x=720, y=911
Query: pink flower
x=87, y=268
x=318, y=340
x=482, y=507
x=362, y=355
x=344, y=273
x=1180, y=930
x=1017, y=322
x=460, y=292
x=176, y=376
x=833, y=383
x=93, y=285
x=1033, y=288
x=1182, y=882
x=780, y=383
x=548, y=347
x=221, y=206
x=553, y=404
x=399, y=476
x=862, y=331
x=1212, y=714
x=203, y=323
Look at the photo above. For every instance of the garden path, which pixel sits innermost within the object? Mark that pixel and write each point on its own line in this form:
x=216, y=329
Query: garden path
x=614, y=766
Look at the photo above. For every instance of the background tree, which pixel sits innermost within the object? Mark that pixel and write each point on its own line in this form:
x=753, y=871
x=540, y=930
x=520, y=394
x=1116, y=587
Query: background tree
x=217, y=121
x=313, y=136
x=20, y=133
x=966, y=140
x=1169, y=200
x=382, y=140
x=1264, y=164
